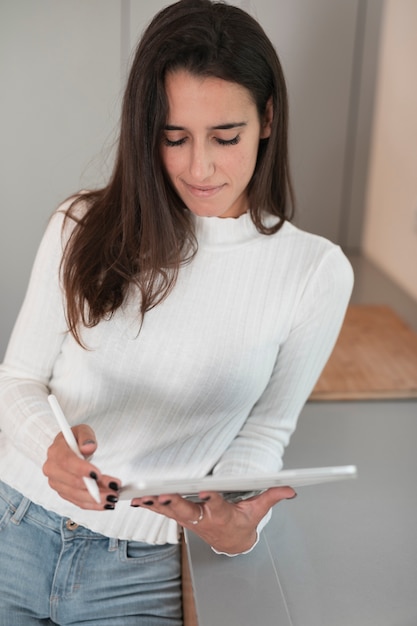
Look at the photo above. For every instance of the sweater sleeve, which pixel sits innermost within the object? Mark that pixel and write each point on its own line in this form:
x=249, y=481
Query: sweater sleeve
x=316, y=323
x=25, y=416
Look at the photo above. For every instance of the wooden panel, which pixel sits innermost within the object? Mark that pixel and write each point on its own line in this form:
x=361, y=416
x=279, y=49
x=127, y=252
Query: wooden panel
x=375, y=357
x=188, y=604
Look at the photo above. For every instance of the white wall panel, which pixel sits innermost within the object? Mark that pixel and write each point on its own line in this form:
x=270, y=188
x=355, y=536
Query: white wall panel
x=315, y=42
x=60, y=85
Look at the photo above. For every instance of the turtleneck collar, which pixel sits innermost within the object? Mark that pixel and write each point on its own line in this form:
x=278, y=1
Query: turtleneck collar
x=226, y=231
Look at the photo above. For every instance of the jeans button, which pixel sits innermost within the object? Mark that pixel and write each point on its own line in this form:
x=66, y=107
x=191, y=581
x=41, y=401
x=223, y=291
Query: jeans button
x=71, y=525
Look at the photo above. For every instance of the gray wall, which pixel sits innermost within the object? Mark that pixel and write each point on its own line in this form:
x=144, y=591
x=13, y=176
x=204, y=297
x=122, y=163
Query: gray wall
x=62, y=70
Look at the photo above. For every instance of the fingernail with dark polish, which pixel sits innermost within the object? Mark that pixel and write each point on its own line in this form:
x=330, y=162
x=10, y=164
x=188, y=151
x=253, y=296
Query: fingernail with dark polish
x=113, y=499
x=166, y=502
x=114, y=486
x=93, y=475
x=149, y=502
x=135, y=506
x=109, y=507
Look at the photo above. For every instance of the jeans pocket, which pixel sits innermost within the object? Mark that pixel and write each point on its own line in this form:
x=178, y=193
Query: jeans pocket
x=6, y=512
x=13, y=505
x=146, y=553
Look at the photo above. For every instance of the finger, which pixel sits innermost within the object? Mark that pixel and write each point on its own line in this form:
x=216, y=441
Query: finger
x=156, y=500
x=75, y=491
x=86, y=439
x=109, y=491
x=109, y=484
x=210, y=509
x=66, y=473
x=276, y=494
x=174, y=506
x=258, y=506
x=215, y=502
x=64, y=466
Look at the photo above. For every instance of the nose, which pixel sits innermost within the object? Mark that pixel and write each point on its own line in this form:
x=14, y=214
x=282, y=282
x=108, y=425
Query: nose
x=201, y=162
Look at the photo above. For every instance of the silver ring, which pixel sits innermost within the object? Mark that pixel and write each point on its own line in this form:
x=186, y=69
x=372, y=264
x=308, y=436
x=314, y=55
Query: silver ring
x=200, y=517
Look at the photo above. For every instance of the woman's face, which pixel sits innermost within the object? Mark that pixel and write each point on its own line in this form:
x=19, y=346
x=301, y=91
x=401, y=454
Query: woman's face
x=210, y=142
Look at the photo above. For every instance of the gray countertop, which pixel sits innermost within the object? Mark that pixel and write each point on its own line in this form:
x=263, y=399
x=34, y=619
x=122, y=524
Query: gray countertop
x=340, y=554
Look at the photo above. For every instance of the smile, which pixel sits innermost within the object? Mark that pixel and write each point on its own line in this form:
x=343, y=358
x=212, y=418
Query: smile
x=203, y=192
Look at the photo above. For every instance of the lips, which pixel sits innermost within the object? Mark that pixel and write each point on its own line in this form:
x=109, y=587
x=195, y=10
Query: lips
x=200, y=191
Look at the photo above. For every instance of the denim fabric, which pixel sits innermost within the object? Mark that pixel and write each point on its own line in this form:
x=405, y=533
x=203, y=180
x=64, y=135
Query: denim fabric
x=55, y=572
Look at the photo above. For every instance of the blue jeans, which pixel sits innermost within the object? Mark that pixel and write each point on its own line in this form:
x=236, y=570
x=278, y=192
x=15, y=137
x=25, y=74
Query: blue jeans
x=55, y=572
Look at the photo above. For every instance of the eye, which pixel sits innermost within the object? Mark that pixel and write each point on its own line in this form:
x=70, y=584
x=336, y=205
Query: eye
x=172, y=144
x=228, y=142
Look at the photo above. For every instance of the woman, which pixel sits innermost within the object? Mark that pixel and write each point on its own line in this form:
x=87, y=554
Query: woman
x=181, y=321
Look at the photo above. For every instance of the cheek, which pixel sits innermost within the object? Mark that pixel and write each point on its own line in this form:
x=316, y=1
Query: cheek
x=170, y=162
x=244, y=164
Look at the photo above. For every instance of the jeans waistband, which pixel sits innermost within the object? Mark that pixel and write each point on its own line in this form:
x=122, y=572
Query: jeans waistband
x=23, y=506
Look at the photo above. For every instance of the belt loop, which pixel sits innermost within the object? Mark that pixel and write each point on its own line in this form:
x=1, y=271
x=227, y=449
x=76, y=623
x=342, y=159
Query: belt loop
x=21, y=510
x=113, y=544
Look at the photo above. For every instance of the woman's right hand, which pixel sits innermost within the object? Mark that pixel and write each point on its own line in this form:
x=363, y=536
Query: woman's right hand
x=65, y=471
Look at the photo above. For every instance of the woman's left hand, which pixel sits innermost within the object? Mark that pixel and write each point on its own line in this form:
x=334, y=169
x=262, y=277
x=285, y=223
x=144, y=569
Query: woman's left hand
x=227, y=527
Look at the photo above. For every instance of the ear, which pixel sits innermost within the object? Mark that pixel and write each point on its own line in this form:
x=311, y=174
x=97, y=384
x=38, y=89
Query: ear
x=266, y=125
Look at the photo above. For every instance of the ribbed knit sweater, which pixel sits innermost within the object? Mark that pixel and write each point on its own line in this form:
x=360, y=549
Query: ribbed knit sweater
x=214, y=381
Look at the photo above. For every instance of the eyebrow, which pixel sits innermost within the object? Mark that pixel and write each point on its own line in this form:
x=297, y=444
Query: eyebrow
x=218, y=127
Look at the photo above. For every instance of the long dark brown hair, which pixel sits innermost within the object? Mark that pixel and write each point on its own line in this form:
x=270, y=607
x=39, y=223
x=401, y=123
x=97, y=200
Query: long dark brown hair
x=136, y=230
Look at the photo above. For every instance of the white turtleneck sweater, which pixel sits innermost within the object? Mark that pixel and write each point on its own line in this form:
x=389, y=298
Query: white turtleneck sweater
x=214, y=380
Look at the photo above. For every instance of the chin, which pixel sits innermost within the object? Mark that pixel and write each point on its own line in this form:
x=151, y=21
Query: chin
x=205, y=212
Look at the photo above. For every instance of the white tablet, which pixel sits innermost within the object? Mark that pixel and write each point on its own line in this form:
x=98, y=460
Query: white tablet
x=237, y=487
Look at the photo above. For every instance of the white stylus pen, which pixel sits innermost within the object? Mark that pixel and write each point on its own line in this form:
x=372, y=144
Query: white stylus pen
x=90, y=483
